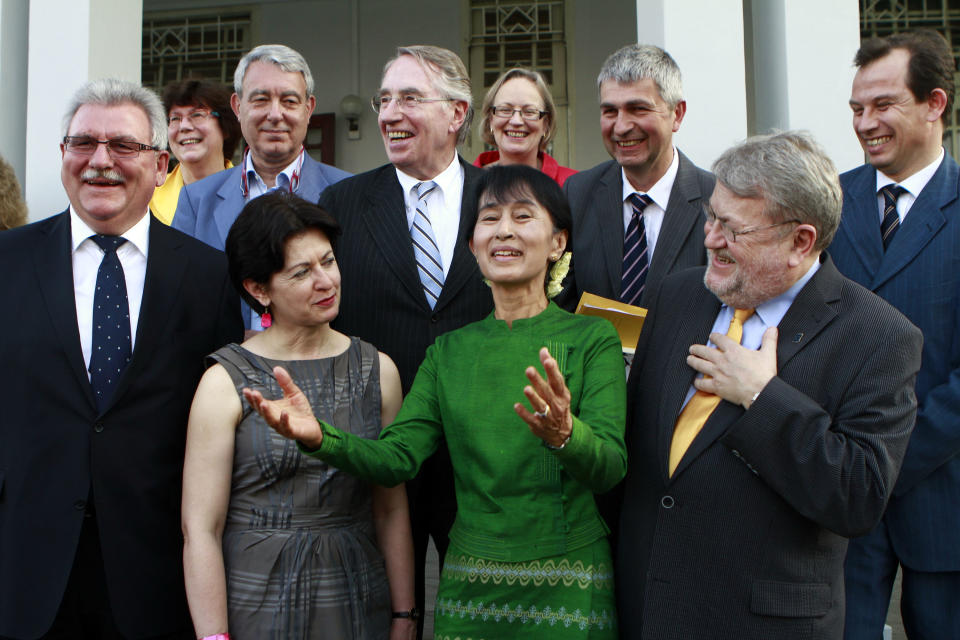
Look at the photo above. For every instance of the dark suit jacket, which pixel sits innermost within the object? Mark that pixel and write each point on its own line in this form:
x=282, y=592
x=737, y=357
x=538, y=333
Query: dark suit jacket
x=919, y=274
x=207, y=208
x=382, y=298
x=596, y=199
x=747, y=539
x=54, y=443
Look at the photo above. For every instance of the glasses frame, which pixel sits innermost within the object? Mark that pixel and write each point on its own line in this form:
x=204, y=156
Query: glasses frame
x=710, y=219
x=192, y=117
x=139, y=146
x=405, y=101
x=540, y=114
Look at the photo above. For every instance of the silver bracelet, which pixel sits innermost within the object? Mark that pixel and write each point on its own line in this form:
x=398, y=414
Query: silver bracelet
x=562, y=444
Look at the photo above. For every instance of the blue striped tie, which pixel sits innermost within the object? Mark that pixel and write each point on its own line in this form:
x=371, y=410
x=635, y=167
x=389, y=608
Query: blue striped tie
x=425, y=249
x=635, y=262
x=891, y=219
x=110, y=346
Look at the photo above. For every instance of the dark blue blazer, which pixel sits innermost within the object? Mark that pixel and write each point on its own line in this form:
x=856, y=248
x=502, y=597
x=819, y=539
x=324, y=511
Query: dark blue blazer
x=919, y=274
x=207, y=208
x=55, y=444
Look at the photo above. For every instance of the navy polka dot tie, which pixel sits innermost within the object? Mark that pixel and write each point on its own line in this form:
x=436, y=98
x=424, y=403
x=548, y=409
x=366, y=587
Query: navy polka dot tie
x=110, y=350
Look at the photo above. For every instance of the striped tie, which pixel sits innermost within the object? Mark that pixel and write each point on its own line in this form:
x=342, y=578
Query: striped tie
x=425, y=249
x=635, y=262
x=891, y=219
x=701, y=404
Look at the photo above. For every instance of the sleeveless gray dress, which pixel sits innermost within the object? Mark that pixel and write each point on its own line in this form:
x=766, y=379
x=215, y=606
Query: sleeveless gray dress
x=299, y=544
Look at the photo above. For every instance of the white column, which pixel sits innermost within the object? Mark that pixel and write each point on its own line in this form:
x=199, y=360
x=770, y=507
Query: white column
x=70, y=42
x=14, y=17
x=706, y=39
x=802, y=66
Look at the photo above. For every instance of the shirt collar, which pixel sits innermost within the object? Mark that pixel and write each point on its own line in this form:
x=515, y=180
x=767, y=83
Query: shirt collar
x=445, y=179
x=771, y=312
x=290, y=174
x=137, y=235
x=915, y=183
x=660, y=191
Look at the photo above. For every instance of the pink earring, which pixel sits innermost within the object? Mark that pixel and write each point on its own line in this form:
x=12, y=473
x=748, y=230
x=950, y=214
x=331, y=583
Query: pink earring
x=265, y=319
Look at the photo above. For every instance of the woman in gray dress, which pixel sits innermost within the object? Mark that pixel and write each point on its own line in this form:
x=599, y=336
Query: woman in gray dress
x=277, y=544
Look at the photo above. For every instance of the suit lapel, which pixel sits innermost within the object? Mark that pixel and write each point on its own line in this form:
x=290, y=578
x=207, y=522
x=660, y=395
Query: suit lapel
x=312, y=180
x=55, y=281
x=463, y=266
x=609, y=212
x=692, y=326
x=229, y=203
x=680, y=219
x=922, y=222
x=166, y=268
x=386, y=220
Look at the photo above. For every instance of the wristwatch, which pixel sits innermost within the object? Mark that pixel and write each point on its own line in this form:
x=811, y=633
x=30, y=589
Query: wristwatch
x=413, y=614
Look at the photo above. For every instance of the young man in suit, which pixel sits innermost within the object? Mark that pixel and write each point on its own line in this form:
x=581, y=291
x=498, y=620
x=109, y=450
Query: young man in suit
x=900, y=238
x=407, y=272
x=115, y=312
x=744, y=484
x=636, y=218
x=273, y=100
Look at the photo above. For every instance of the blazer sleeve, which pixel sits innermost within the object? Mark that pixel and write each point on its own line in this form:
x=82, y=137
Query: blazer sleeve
x=403, y=445
x=837, y=468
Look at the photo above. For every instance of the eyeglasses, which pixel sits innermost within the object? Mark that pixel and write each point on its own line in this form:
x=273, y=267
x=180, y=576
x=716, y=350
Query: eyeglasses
x=87, y=146
x=194, y=118
x=710, y=218
x=405, y=101
x=527, y=113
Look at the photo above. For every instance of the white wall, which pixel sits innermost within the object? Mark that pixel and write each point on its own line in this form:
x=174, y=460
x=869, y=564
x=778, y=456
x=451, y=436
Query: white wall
x=14, y=17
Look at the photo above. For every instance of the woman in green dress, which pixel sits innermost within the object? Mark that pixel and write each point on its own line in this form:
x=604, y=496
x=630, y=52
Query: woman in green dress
x=528, y=551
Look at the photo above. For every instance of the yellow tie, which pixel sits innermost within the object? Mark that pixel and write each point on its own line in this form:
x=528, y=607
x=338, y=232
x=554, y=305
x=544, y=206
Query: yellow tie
x=701, y=404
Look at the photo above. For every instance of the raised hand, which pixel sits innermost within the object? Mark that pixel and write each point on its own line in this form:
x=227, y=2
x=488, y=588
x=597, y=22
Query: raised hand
x=291, y=416
x=550, y=398
x=736, y=373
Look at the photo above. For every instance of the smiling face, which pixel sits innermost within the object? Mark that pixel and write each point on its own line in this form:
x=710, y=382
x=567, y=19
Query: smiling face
x=756, y=267
x=306, y=291
x=421, y=141
x=514, y=242
x=194, y=139
x=111, y=194
x=637, y=127
x=517, y=139
x=899, y=134
x=274, y=113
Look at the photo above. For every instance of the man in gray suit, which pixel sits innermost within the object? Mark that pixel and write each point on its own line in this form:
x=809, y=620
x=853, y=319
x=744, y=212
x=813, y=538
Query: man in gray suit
x=636, y=218
x=745, y=483
x=273, y=99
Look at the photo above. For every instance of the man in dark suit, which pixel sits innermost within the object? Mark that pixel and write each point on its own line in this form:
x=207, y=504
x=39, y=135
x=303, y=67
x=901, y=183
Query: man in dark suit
x=407, y=272
x=900, y=238
x=102, y=362
x=636, y=218
x=273, y=100
x=744, y=484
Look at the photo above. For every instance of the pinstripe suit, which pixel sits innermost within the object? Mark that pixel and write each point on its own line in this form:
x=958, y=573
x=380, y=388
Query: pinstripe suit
x=920, y=275
x=747, y=539
x=382, y=301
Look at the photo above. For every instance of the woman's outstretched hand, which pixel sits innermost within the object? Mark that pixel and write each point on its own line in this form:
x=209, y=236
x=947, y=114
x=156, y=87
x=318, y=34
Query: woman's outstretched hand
x=291, y=416
x=550, y=399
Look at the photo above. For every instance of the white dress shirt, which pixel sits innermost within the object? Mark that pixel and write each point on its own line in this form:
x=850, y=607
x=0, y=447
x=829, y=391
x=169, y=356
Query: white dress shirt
x=443, y=207
x=87, y=256
x=654, y=213
x=256, y=187
x=914, y=185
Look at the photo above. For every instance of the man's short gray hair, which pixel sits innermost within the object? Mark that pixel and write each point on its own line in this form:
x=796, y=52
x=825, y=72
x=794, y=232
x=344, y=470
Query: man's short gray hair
x=110, y=92
x=793, y=175
x=637, y=61
x=448, y=75
x=281, y=55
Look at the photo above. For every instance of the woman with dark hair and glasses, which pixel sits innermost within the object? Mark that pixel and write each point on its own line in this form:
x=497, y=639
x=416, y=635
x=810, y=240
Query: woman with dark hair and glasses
x=203, y=134
x=278, y=544
x=519, y=119
x=528, y=554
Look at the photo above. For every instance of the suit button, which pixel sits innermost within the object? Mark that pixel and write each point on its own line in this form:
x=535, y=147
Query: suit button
x=434, y=319
x=98, y=428
x=80, y=505
x=667, y=502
